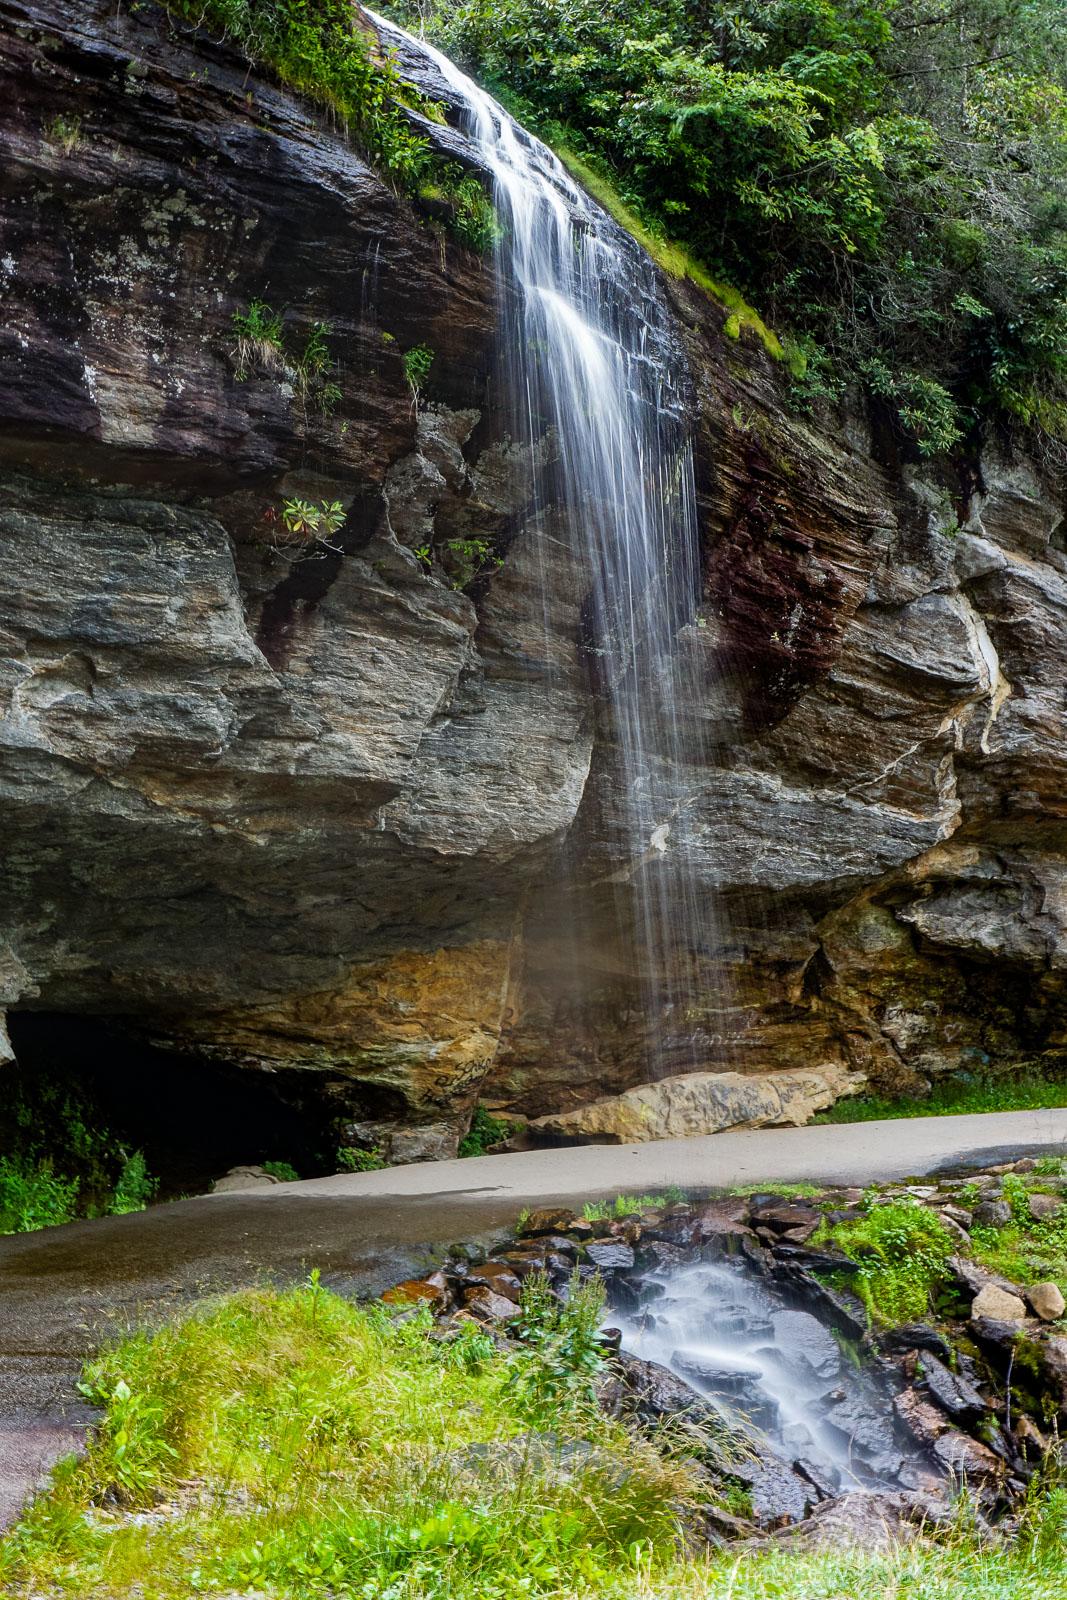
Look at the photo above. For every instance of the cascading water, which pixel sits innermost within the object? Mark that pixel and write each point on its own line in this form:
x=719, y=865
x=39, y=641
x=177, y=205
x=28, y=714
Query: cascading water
x=776, y=1373
x=588, y=359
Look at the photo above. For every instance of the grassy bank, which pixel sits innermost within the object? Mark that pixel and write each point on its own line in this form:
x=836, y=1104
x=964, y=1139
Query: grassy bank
x=960, y=1095
x=292, y=1444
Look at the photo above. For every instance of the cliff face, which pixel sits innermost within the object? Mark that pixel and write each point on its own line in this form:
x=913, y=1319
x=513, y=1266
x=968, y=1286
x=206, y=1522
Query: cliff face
x=336, y=816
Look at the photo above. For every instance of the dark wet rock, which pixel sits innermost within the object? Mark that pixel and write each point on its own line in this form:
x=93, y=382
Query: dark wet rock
x=925, y=1421
x=658, y=1255
x=490, y=1306
x=610, y=1255
x=433, y=1290
x=836, y=1307
x=739, y=1386
x=495, y=1275
x=780, y=1495
x=824, y=1485
x=868, y=1520
x=958, y=1399
x=803, y=1338
x=651, y=1392
x=545, y=1222
x=916, y=1336
x=868, y=1435
x=967, y=1457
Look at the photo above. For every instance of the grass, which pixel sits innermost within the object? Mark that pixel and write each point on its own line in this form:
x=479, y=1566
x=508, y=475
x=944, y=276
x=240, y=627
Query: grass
x=901, y=1249
x=297, y=1446
x=1027, y=1249
x=631, y=1205
x=301, y=1446
x=673, y=258
x=959, y=1095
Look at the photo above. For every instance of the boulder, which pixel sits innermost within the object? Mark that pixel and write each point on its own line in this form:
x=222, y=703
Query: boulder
x=610, y=1255
x=1044, y=1206
x=496, y=1275
x=489, y=1306
x=1046, y=1301
x=702, y=1102
x=997, y=1305
x=240, y=1178
x=433, y=1290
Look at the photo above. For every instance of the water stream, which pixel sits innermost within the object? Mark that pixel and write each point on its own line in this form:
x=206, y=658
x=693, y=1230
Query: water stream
x=588, y=359
x=775, y=1372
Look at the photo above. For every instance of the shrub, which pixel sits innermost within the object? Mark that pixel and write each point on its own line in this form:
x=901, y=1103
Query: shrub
x=352, y=1160
x=484, y=1130
x=417, y=363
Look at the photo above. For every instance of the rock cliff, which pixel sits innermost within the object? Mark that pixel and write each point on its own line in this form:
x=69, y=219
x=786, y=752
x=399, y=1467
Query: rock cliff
x=352, y=815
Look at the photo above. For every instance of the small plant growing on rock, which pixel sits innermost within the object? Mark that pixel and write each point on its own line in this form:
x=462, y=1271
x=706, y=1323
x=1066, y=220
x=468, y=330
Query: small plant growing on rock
x=468, y=557
x=560, y=1357
x=66, y=132
x=284, y=1171
x=305, y=530
x=350, y=1160
x=258, y=340
x=485, y=1130
x=417, y=363
x=312, y=369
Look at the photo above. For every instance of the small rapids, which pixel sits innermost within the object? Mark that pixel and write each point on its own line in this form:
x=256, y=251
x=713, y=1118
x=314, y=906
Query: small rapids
x=776, y=1375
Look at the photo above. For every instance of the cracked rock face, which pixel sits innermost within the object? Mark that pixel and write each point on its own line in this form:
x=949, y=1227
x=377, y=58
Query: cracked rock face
x=337, y=816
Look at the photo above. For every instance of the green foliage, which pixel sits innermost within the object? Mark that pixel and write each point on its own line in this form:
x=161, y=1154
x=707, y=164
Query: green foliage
x=958, y=1095
x=33, y=1196
x=321, y=49
x=59, y=1162
x=559, y=1358
x=313, y=522
x=632, y=1205
x=259, y=346
x=284, y=1170
x=66, y=132
x=901, y=1249
x=887, y=179
x=258, y=339
x=485, y=1130
x=466, y=558
x=135, y=1187
x=1028, y=1249
x=318, y=48
x=417, y=363
x=352, y=1160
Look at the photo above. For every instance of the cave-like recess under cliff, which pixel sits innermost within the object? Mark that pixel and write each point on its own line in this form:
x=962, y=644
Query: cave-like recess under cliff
x=341, y=823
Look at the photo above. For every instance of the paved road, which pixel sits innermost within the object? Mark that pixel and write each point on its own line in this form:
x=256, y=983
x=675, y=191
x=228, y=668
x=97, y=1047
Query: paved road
x=64, y=1290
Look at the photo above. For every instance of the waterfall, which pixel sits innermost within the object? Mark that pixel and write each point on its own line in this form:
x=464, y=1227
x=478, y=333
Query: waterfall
x=588, y=356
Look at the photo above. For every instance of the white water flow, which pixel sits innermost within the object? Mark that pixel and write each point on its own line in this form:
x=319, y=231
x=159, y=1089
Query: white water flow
x=588, y=360
x=775, y=1370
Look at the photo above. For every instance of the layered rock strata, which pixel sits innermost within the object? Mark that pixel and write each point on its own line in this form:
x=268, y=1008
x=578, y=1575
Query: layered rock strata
x=338, y=816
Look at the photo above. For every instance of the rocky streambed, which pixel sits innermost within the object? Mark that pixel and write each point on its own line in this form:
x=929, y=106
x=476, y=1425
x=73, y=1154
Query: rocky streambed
x=743, y=1327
